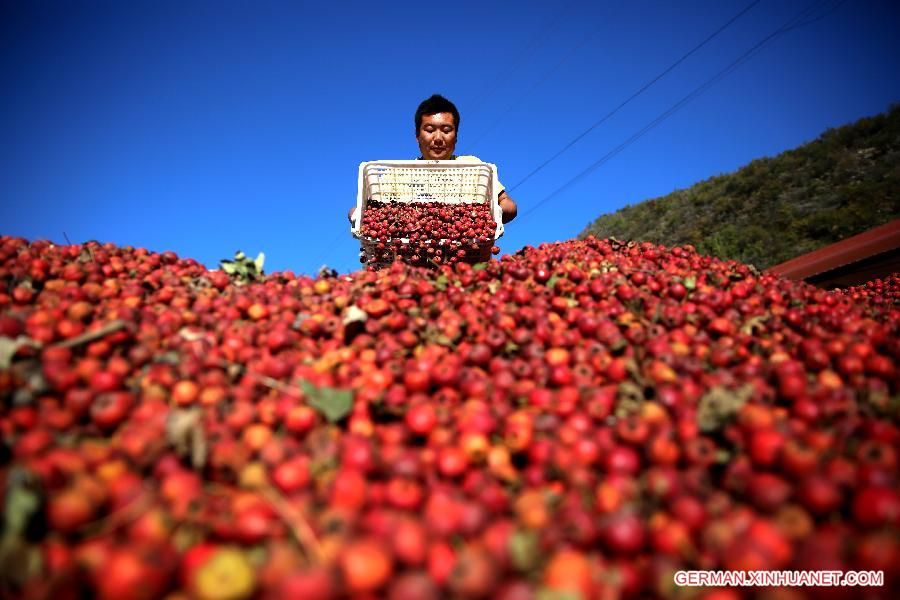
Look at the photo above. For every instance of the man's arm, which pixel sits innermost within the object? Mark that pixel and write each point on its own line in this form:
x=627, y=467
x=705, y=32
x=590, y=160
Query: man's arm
x=508, y=206
x=350, y=214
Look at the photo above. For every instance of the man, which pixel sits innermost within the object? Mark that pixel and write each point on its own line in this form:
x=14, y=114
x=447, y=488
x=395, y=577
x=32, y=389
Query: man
x=437, y=124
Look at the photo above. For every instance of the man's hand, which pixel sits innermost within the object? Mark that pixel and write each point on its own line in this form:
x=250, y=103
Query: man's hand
x=350, y=215
x=508, y=206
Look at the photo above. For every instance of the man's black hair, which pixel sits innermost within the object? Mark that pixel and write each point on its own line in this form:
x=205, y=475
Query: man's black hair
x=434, y=105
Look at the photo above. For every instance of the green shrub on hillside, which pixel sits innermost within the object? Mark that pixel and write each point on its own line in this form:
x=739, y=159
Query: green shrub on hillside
x=773, y=209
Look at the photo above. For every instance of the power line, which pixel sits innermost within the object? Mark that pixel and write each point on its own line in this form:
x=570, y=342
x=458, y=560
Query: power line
x=812, y=19
x=640, y=91
x=520, y=57
x=681, y=103
x=519, y=98
x=330, y=247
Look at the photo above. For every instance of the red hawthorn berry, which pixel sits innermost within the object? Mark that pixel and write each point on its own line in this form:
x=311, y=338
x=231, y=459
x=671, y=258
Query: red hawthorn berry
x=421, y=419
x=765, y=446
x=300, y=419
x=70, y=510
x=819, y=494
x=417, y=381
x=365, y=565
x=452, y=461
x=105, y=381
x=623, y=533
x=292, y=475
x=404, y=493
x=876, y=506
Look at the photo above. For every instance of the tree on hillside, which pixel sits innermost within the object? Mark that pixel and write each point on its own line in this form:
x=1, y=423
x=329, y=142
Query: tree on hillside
x=773, y=209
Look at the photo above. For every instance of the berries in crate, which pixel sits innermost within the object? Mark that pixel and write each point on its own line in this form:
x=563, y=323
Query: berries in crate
x=426, y=213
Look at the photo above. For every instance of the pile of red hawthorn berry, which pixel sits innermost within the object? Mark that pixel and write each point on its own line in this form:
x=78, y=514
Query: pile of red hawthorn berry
x=877, y=291
x=577, y=420
x=427, y=233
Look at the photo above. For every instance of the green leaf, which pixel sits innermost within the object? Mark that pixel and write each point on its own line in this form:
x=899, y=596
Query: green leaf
x=20, y=561
x=722, y=456
x=690, y=282
x=524, y=550
x=479, y=267
x=618, y=345
x=550, y=594
x=333, y=404
x=21, y=504
x=242, y=269
x=257, y=555
x=552, y=281
x=441, y=282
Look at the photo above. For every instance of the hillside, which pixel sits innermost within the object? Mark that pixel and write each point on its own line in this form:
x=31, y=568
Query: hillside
x=773, y=209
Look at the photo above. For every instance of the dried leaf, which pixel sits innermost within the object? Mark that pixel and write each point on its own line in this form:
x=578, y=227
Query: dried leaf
x=199, y=283
x=9, y=347
x=298, y=320
x=94, y=334
x=234, y=371
x=325, y=271
x=192, y=335
x=630, y=399
x=353, y=314
x=184, y=431
x=557, y=594
x=754, y=325
x=719, y=404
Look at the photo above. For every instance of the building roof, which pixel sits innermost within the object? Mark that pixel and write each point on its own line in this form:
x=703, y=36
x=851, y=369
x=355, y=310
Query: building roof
x=859, y=253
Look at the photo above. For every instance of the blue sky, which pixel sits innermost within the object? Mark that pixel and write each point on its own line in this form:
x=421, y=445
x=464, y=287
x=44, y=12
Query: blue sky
x=208, y=127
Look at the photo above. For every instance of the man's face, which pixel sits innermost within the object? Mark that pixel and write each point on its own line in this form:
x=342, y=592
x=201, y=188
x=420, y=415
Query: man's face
x=437, y=136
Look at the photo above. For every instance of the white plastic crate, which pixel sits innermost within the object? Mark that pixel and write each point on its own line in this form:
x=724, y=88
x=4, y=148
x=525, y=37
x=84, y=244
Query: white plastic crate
x=440, y=181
